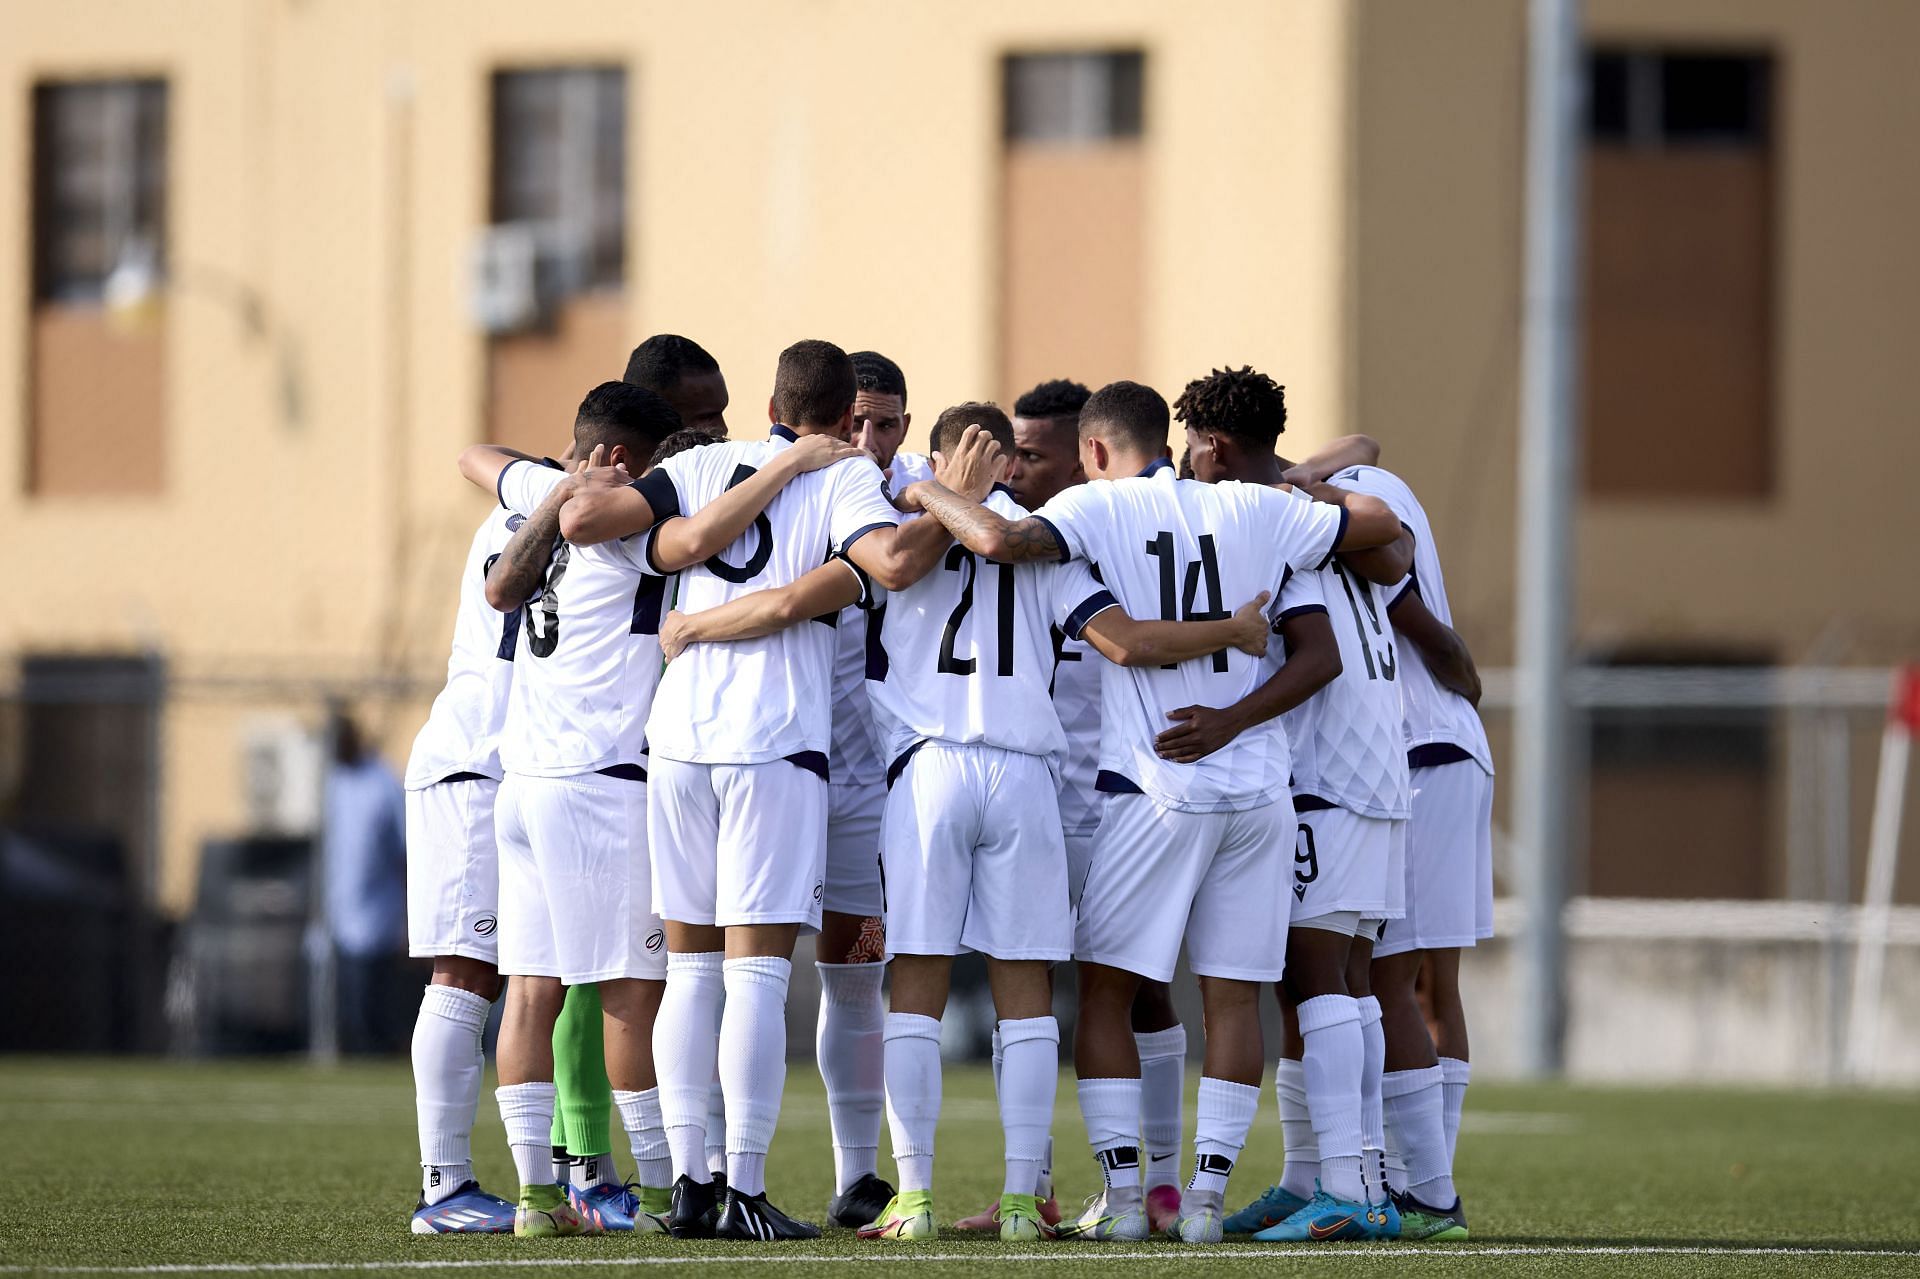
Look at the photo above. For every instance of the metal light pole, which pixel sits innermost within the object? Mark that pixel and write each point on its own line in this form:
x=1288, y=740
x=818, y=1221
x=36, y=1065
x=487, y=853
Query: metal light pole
x=1547, y=502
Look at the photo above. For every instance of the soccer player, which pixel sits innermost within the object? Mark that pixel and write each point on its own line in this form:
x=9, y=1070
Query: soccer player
x=739, y=736
x=571, y=822
x=1449, y=864
x=680, y=371
x=1350, y=793
x=1198, y=827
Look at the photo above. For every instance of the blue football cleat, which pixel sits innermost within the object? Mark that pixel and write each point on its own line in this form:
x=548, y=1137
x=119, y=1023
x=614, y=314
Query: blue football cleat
x=1324, y=1219
x=467, y=1211
x=1272, y=1207
x=615, y=1208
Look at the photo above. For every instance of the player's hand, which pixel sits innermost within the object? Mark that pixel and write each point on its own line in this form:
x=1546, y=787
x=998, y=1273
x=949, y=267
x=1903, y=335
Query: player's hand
x=812, y=452
x=908, y=498
x=594, y=473
x=1250, y=628
x=1199, y=732
x=675, y=634
x=974, y=467
x=1300, y=475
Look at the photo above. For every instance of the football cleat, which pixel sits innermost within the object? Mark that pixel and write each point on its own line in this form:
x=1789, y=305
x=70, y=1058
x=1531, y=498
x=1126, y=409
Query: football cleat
x=545, y=1211
x=1102, y=1222
x=615, y=1209
x=695, y=1209
x=1272, y=1207
x=908, y=1215
x=1200, y=1220
x=752, y=1217
x=1424, y=1221
x=1163, y=1207
x=861, y=1203
x=1324, y=1219
x=469, y=1210
x=1021, y=1219
x=988, y=1218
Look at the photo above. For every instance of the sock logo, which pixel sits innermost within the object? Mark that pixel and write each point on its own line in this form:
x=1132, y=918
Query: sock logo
x=1159, y=1159
x=1119, y=1157
x=1218, y=1164
x=433, y=1179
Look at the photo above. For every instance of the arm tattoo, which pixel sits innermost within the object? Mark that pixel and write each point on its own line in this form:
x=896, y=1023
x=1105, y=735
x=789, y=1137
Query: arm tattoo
x=522, y=567
x=974, y=525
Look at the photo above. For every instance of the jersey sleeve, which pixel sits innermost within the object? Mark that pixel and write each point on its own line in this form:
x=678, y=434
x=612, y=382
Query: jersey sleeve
x=858, y=494
x=1076, y=515
x=1308, y=531
x=873, y=596
x=1300, y=594
x=523, y=485
x=1077, y=596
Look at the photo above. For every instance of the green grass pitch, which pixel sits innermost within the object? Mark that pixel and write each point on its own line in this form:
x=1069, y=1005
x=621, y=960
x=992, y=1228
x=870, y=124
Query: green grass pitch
x=129, y=1167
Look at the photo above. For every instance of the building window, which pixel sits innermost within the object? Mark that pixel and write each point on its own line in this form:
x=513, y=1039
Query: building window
x=560, y=167
x=1073, y=194
x=1679, y=274
x=100, y=183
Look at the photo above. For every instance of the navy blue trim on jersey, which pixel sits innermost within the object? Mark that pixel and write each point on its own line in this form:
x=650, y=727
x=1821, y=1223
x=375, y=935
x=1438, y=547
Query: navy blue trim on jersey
x=1434, y=754
x=1411, y=585
x=625, y=772
x=859, y=533
x=781, y=431
x=500, y=482
x=899, y=764
x=814, y=762
x=1300, y=610
x=1154, y=467
x=1002, y=488
x=1090, y=608
x=663, y=499
x=1114, y=784
x=1065, y=554
x=1312, y=804
x=1339, y=535
x=465, y=777
x=877, y=664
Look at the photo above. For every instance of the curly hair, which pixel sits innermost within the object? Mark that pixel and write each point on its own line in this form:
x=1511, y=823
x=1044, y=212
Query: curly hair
x=1238, y=402
x=1058, y=398
x=680, y=441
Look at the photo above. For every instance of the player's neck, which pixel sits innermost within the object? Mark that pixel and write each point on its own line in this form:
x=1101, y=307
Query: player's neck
x=1264, y=470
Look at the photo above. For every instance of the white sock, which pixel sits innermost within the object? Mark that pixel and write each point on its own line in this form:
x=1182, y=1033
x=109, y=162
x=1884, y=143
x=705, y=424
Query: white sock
x=1454, y=1076
x=562, y=1166
x=1031, y=1075
x=685, y=1049
x=1302, y=1167
x=1373, y=1135
x=999, y=1057
x=716, y=1118
x=1222, y=1118
x=1163, y=1081
x=589, y=1171
x=448, y=1066
x=640, y=1116
x=848, y=1043
x=912, y=1057
x=753, y=1064
x=1412, y=1102
x=526, y=1111
x=1331, y=1065
x=1111, y=1108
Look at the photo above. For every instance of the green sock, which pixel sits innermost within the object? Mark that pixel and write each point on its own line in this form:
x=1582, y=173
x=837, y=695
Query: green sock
x=657, y=1200
x=584, y=1102
x=541, y=1198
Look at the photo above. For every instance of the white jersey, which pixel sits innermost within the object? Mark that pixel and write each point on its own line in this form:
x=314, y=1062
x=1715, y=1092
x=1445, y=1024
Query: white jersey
x=462, y=732
x=1076, y=699
x=907, y=468
x=589, y=656
x=854, y=756
x=757, y=700
x=969, y=650
x=1434, y=714
x=1181, y=550
x=1348, y=739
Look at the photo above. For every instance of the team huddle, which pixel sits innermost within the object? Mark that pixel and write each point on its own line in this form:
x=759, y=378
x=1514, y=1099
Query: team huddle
x=1039, y=694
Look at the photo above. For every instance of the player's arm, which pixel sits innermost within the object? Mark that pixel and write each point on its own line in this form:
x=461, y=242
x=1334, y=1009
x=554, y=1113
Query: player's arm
x=1348, y=450
x=719, y=524
x=1313, y=662
x=522, y=564
x=1370, y=522
x=1384, y=565
x=828, y=589
x=1439, y=645
x=483, y=464
x=1126, y=641
x=898, y=557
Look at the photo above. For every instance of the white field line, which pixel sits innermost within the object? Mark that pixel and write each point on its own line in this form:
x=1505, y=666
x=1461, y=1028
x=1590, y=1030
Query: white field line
x=893, y=1256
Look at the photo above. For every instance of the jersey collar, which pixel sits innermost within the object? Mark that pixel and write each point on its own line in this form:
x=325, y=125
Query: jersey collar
x=1154, y=467
x=781, y=431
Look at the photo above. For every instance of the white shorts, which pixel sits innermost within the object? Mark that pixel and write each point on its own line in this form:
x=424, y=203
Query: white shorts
x=853, y=849
x=1216, y=880
x=738, y=843
x=1449, y=862
x=974, y=857
x=575, y=901
x=1079, y=860
x=1341, y=861
x=453, y=871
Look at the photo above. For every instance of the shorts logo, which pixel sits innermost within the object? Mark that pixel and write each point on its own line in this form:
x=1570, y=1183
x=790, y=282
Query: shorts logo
x=655, y=940
x=818, y=889
x=485, y=925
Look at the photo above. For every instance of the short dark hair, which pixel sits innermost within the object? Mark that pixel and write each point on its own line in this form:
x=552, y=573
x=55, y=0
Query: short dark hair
x=663, y=359
x=1132, y=412
x=1238, y=402
x=813, y=385
x=873, y=371
x=1058, y=398
x=689, y=437
x=985, y=414
x=617, y=413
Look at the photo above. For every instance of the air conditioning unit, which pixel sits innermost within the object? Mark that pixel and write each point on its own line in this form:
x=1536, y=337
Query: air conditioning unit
x=283, y=775
x=521, y=269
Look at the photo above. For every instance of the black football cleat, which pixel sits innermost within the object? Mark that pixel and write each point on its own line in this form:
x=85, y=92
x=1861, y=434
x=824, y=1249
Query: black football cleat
x=695, y=1210
x=860, y=1204
x=752, y=1217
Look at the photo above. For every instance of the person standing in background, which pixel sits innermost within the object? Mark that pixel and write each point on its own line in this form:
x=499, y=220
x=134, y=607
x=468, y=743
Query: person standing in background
x=365, y=859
